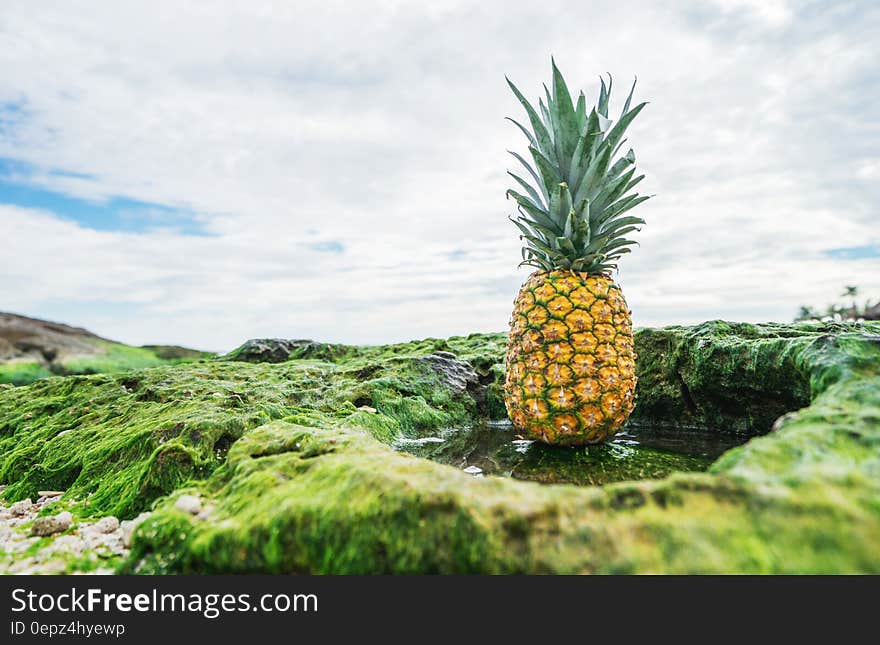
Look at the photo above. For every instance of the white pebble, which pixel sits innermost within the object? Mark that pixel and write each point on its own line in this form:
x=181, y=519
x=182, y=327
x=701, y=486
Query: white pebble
x=128, y=527
x=69, y=543
x=106, y=524
x=188, y=504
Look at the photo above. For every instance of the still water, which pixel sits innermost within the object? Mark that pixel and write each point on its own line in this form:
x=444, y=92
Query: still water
x=639, y=452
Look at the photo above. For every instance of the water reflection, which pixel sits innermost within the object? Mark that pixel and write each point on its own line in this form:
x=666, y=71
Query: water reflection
x=639, y=452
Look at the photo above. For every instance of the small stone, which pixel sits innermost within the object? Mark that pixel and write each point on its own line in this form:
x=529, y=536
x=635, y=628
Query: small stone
x=53, y=567
x=50, y=493
x=367, y=408
x=128, y=527
x=113, y=541
x=19, y=545
x=106, y=524
x=69, y=543
x=51, y=524
x=188, y=504
x=21, y=507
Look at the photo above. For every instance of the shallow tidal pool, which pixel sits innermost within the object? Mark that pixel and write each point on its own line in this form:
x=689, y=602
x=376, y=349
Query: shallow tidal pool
x=638, y=452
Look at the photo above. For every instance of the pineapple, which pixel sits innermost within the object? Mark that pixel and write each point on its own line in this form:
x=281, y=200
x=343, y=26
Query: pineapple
x=570, y=376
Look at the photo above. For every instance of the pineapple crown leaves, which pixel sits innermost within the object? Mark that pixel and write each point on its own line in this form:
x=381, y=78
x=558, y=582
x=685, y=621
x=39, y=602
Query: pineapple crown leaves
x=572, y=206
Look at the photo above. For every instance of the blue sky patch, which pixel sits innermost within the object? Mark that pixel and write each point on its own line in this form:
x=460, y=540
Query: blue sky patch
x=330, y=246
x=114, y=214
x=854, y=252
x=11, y=114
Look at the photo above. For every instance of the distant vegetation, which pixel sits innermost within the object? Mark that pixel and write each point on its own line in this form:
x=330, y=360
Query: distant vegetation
x=849, y=309
x=31, y=349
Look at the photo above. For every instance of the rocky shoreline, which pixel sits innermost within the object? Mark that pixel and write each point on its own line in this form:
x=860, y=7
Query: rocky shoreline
x=33, y=542
x=248, y=466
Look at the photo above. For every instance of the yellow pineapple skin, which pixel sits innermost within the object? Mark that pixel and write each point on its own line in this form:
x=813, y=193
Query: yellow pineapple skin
x=570, y=376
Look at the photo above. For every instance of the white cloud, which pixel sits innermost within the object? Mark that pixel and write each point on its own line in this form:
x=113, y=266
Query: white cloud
x=774, y=13
x=868, y=169
x=379, y=126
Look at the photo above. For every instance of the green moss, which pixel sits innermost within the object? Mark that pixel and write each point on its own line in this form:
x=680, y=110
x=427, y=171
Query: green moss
x=337, y=502
x=734, y=377
x=481, y=350
x=345, y=516
x=124, y=439
x=382, y=427
x=297, y=479
x=110, y=357
x=115, y=357
x=22, y=373
x=177, y=354
x=495, y=406
x=127, y=439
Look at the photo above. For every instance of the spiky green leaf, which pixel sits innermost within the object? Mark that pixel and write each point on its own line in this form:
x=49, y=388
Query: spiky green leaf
x=629, y=99
x=580, y=111
x=549, y=173
x=615, y=134
x=530, y=191
x=540, y=216
x=573, y=215
x=525, y=131
x=540, y=184
x=542, y=136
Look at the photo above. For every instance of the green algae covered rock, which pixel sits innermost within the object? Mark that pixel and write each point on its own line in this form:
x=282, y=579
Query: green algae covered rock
x=294, y=466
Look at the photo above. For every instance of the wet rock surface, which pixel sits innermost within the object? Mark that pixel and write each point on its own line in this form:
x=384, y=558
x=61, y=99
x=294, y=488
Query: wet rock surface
x=280, y=350
x=265, y=350
x=455, y=374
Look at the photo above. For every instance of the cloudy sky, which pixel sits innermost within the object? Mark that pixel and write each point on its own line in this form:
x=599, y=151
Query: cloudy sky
x=203, y=173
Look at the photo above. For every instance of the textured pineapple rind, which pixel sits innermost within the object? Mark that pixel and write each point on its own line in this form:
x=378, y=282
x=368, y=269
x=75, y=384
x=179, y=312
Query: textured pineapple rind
x=570, y=376
x=317, y=492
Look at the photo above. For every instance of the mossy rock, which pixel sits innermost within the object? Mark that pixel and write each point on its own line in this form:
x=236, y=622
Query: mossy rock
x=296, y=472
